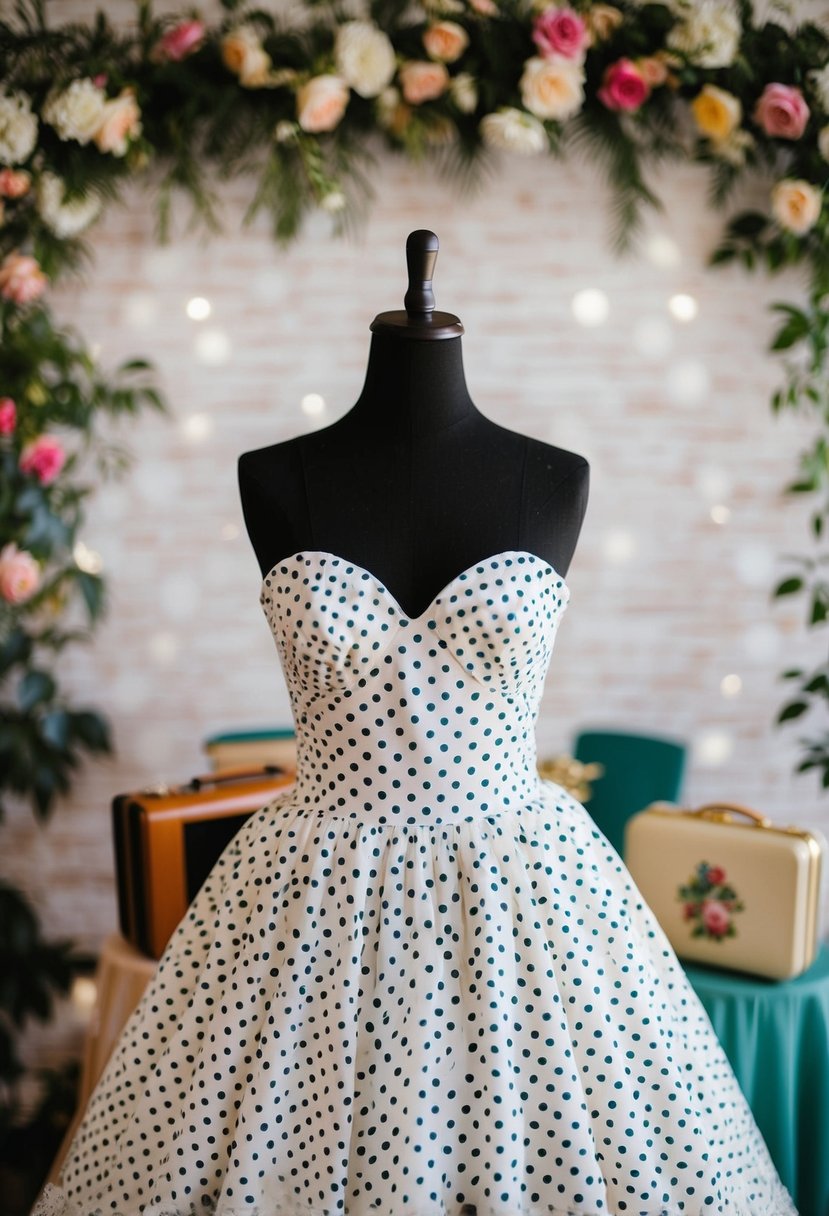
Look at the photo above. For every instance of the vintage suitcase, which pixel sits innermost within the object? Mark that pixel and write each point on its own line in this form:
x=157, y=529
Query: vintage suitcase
x=730, y=887
x=167, y=838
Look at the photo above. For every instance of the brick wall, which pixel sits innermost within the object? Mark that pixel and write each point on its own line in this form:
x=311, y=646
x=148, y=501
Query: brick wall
x=673, y=417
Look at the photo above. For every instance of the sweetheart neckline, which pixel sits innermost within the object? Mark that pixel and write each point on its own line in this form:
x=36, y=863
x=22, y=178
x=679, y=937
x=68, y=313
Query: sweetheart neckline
x=548, y=568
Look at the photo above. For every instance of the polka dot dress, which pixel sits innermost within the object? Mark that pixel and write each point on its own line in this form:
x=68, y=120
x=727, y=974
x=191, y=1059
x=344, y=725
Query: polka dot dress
x=421, y=982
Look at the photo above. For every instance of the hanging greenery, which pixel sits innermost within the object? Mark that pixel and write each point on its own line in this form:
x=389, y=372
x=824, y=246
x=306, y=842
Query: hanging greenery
x=304, y=110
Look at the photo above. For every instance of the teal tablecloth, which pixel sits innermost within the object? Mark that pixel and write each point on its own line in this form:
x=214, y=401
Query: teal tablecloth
x=776, y=1035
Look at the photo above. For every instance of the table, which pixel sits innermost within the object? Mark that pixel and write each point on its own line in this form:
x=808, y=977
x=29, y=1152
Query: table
x=776, y=1036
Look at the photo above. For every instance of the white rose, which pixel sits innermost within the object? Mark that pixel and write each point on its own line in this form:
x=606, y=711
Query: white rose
x=77, y=112
x=364, y=57
x=552, y=88
x=333, y=201
x=709, y=35
x=65, y=219
x=823, y=142
x=18, y=128
x=514, y=131
x=464, y=92
x=820, y=80
x=387, y=105
x=796, y=204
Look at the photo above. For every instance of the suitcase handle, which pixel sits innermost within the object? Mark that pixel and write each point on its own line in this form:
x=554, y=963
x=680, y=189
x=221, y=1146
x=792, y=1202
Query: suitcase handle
x=215, y=778
x=710, y=809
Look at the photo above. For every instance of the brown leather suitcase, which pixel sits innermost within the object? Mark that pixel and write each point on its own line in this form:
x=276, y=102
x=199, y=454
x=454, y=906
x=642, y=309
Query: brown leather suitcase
x=167, y=838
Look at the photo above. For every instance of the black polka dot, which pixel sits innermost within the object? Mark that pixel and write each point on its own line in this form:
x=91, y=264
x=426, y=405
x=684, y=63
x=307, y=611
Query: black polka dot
x=421, y=982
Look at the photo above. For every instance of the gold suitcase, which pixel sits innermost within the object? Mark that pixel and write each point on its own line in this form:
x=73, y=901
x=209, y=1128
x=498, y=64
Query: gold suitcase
x=742, y=893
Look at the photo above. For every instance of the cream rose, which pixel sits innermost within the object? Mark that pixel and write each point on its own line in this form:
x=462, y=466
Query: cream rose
x=823, y=141
x=709, y=35
x=820, y=80
x=716, y=112
x=243, y=53
x=423, y=81
x=65, y=219
x=18, y=128
x=364, y=57
x=321, y=102
x=796, y=204
x=121, y=122
x=514, y=130
x=464, y=92
x=445, y=41
x=602, y=20
x=734, y=147
x=552, y=88
x=77, y=112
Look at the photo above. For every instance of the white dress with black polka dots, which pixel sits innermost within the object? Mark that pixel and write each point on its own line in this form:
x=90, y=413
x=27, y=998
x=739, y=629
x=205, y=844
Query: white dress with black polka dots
x=421, y=979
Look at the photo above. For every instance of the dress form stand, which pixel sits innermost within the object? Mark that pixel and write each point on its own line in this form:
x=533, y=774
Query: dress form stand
x=414, y=483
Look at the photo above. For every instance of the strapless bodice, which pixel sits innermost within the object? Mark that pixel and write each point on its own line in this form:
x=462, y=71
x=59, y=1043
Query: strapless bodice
x=414, y=719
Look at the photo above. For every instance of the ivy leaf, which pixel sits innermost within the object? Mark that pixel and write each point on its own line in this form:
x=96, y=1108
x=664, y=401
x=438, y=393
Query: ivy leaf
x=794, y=709
x=35, y=686
x=796, y=328
x=788, y=586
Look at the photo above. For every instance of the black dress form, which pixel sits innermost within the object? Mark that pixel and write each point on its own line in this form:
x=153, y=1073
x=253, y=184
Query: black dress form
x=414, y=483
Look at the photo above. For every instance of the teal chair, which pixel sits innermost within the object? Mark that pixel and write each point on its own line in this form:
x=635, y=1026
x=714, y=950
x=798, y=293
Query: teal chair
x=638, y=769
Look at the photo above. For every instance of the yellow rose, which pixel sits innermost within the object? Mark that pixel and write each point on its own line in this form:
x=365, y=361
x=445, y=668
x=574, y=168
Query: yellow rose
x=716, y=112
x=796, y=204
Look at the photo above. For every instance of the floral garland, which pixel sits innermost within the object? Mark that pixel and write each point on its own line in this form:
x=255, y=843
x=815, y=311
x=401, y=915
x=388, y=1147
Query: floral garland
x=84, y=108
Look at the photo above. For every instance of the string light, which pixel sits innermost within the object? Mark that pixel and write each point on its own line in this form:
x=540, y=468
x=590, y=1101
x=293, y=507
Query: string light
x=212, y=347
x=197, y=427
x=312, y=404
x=713, y=747
x=662, y=251
x=683, y=307
x=720, y=513
x=590, y=306
x=731, y=685
x=198, y=308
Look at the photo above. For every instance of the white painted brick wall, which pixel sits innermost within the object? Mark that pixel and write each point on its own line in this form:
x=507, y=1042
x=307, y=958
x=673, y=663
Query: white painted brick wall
x=646, y=641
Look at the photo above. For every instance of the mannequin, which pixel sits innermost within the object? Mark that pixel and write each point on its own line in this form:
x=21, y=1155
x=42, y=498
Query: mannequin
x=414, y=484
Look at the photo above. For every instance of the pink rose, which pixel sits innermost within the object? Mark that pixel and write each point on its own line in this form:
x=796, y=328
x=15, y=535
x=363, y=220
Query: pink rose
x=623, y=86
x=14, y=183
x=21, y=278
x=423, y=81
x=100, y=80
x=19, y=574
x=716, y=875
x=715, y=916
x=43, y=456
x=179, y=42
x=8, y=415
x=560, y=31
x=781, y=111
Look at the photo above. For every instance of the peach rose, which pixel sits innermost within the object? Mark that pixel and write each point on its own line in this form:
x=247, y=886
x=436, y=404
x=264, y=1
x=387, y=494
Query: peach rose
x=796, y=204
x=14, y=183
x=121, y=122
x=19, y=574
x=486, y=8
x=781, y=111
x=423, y=81
x=43, y=456
x=244, y=55
x=21, y=278
x=8, y=415
x=445, y=41
x=654, y=70
x=179, y=42
x=321, y=102
x=623, y=86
